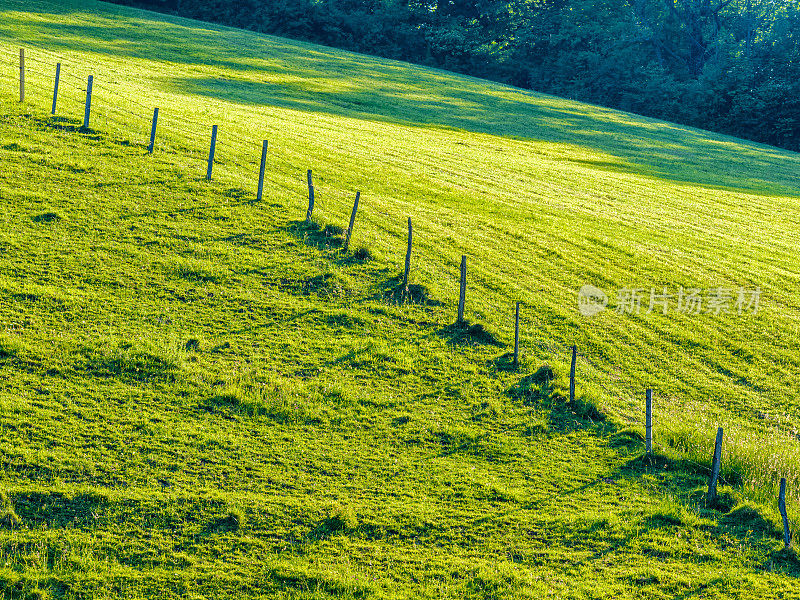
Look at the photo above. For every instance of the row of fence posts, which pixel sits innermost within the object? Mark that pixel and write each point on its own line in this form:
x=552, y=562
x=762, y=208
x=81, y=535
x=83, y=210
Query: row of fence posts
x=151, y=146
x=716, y=463
x=716, y=460
x=260, y=191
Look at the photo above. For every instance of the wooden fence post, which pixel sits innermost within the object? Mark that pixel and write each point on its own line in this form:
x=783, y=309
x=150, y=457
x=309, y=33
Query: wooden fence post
x=516, y=337
x=55, y=88
x=572, y=373
x=211, y=152
x=88, y=110
x=153, y=131
x=787, y=535
x=352, y=222
x=463, y=291
x=408, y=255
x=310, y=211
x=648, y=423
x=715, y=466
x=22, y=74
x=262, y=171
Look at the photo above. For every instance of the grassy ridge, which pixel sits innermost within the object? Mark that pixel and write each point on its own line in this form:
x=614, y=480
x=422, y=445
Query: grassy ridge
x=204, y=396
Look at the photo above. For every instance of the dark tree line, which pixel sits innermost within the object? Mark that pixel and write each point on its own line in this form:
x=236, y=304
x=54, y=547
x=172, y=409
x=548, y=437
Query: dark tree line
x=726, y=65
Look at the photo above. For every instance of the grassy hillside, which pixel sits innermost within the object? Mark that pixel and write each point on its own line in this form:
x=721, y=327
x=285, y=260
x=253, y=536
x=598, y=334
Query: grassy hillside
x=200, y=396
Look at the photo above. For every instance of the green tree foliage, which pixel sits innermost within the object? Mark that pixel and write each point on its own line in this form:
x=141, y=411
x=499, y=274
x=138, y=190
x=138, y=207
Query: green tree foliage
x=727, y=65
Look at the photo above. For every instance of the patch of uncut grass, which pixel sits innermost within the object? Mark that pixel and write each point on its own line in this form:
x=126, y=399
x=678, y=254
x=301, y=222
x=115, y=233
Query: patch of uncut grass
x=202, y=396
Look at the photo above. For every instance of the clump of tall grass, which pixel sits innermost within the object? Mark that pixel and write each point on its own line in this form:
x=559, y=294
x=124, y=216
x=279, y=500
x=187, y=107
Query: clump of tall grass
x=139, y=359
x=8, y=517
x=195, y=269
x=281, y=399
x=10, y=346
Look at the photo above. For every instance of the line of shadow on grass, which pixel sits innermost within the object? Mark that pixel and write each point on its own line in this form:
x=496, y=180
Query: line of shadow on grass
x=374, y=89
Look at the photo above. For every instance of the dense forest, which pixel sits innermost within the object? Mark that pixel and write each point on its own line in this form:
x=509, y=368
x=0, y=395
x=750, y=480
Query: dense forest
x=726, y=65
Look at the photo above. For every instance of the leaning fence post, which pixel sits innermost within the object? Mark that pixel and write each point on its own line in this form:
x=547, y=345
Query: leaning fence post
x=516, y=337
x=712, y=481
x=787, y=535
x=22, y=74
x=55, y=88
x=463, y=291
x=408, y=255
x=153, y=131
x=648, y=423
x=88, y=111
x=352, y=222
x=211, y=151
x=572, y=374
x=262, y=171
x=310, y=210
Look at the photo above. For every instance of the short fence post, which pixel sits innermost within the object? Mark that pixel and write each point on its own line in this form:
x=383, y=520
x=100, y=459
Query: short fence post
x=153, y=131
x=572, y=374
x=211, y=152
x=463, y=291
x=310, y=211
x=648, y=423
x=516, y=337
x=262, y=171
x=408, y=255
x=352, y=222
x=88, y=111
x=55, y=88
x=715, y=466
x=22, y=74
x=787, y=535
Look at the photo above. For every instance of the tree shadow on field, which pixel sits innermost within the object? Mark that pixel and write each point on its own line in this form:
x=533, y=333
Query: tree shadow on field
x=264, y=70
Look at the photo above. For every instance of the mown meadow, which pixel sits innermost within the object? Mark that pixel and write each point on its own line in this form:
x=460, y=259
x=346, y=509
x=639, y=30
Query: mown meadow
x=203, y=396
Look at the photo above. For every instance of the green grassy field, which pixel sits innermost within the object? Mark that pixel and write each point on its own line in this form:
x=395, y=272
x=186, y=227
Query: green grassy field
x=201, y=396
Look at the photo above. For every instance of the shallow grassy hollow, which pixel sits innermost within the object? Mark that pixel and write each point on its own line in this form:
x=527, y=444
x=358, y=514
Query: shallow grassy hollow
x=201, y=396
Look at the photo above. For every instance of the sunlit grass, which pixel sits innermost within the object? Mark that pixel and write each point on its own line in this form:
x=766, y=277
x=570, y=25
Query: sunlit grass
x=251, y=408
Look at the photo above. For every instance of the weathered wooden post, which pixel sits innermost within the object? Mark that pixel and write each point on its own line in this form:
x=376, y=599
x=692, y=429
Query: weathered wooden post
x=262, y=171
x=516, y=337
x=408, y=255
x=22, y=74
x=352, y=222
x=87, y=113
x=715, y=466
x=648, y=423
x=310, y=211
x=211, y=152
x=463, y=292
x=153, y=131
x=787, y=534
x=572, y=373
x=55, y=88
